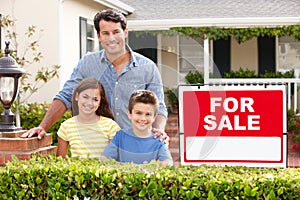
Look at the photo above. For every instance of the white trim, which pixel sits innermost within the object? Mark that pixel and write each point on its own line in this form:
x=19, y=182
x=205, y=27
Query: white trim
x=116, y=4
x=218, y=22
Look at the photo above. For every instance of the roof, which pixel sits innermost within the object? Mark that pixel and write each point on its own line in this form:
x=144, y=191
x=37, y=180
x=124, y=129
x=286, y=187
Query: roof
x=160, y=14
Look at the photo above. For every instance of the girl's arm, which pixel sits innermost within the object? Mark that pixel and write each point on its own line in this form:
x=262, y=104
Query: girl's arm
x=62, y=148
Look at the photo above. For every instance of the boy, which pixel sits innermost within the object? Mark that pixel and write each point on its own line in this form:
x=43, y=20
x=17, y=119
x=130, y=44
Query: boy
x=137, y=144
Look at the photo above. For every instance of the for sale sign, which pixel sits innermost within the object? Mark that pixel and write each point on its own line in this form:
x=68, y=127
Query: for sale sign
x=233, y=125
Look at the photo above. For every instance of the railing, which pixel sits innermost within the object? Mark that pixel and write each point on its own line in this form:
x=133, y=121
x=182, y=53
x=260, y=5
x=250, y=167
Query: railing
x=292, y=85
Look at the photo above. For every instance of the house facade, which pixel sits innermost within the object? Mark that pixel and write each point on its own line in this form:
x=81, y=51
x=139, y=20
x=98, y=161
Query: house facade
x=69, y=34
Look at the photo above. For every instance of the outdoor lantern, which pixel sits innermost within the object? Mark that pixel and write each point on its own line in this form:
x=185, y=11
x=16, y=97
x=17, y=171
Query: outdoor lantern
x=10, y=73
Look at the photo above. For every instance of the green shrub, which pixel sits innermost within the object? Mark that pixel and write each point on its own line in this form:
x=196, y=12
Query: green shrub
x=247, y=73
x=32, y=114
x=194, y=78
x=74, y=178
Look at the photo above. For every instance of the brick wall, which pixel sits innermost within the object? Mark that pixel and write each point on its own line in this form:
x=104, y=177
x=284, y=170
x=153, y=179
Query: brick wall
x=12, y=144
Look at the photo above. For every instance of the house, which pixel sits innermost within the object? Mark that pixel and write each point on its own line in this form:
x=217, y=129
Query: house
x=69, y=34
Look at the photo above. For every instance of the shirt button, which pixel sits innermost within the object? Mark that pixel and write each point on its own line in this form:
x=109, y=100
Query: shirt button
x=117, y=83
x=117, y=99
x=117, y=113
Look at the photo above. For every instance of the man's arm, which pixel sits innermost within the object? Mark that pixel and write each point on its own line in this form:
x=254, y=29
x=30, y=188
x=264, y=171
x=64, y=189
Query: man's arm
x=159, y=128
x=160, y=122
x=56, y=111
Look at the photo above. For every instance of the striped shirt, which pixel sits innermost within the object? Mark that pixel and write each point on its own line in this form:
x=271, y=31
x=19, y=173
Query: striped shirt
x=88, y=140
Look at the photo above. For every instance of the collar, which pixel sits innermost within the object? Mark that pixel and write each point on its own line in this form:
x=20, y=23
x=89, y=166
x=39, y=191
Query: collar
x=127, y=47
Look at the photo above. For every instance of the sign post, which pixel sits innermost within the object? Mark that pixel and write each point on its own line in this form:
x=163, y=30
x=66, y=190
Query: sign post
x=233, y=125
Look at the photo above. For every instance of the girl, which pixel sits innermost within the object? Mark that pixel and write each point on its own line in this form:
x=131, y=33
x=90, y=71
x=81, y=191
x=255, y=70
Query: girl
x=92, y=126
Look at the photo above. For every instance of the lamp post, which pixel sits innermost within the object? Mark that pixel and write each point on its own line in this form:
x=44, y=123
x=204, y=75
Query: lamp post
x=10, y=73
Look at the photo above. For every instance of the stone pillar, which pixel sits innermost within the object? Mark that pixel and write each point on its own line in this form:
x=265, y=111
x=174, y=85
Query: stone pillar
x=23, y=148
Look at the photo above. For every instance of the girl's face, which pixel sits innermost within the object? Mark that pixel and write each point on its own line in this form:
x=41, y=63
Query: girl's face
x=88, y=101
x=142, y=117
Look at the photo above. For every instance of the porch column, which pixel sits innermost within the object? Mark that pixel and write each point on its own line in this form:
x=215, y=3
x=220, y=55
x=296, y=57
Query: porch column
x=206, y=61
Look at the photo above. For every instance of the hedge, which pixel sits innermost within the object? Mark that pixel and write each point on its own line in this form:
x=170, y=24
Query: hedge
x=73, y=178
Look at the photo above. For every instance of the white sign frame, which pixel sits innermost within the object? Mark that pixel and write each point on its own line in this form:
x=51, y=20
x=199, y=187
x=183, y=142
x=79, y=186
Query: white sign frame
x=212, y=150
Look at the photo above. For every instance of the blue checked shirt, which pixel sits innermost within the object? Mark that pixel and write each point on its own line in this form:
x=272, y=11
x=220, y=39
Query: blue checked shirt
x=140, y=73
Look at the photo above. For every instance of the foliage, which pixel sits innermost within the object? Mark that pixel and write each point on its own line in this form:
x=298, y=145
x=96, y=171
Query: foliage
x=194, y=77
x=74, y=178
x=247, y=73
x=28, y=56
x=293, y=125
x=171, y=95
x=32, y=114
x=197, y=77
x=240, y=34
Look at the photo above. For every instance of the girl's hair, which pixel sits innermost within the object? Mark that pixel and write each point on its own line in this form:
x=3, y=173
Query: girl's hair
x=143, y=96
x=92, y=83
x=109, y=15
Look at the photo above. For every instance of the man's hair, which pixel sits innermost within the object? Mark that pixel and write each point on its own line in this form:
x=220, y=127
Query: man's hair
x=109, y=15
x=143, y=96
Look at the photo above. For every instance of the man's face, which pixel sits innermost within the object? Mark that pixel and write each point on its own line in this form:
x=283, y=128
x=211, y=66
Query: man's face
x=112, y=37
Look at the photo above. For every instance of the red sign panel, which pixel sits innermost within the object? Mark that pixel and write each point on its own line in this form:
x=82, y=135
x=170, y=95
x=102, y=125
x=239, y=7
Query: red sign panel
x=233, y=113
x=240, y=125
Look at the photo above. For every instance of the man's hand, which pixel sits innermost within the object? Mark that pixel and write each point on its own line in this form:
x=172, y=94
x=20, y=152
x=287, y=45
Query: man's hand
x=36, y=131
x=164, y=137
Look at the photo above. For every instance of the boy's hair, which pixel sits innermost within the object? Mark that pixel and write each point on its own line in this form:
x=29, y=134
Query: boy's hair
x=110, y=15
x=92, y=83
x=143, y=96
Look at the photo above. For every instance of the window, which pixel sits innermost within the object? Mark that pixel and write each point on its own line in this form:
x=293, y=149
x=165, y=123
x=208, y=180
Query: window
x=288, y=53
x=88, y=37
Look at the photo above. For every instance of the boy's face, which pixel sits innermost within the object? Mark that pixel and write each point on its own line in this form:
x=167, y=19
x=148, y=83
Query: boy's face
x=142, y=116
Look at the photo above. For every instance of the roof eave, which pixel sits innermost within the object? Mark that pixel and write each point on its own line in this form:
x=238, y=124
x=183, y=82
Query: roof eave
x=212, y=22
x=116, y=4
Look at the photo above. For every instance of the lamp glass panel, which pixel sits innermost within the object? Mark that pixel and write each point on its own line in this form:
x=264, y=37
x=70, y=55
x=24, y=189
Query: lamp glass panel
x=6, y=89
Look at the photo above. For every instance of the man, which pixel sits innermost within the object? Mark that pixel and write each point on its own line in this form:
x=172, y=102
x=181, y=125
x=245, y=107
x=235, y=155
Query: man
x=118, y=68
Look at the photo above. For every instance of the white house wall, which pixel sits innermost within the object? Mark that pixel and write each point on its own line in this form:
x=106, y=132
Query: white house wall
x=72, y=10
x=60, y=39
x=44, y=15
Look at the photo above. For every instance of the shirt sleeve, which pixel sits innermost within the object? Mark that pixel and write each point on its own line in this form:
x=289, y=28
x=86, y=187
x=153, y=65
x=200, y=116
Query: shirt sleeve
x=112, y=149
x=62, y=132
x=113, y=129
x=164, y=153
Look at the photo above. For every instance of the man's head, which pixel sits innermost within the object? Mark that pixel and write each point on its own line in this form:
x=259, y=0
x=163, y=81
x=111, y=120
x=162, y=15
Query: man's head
x=110, y=15
x=112, y=33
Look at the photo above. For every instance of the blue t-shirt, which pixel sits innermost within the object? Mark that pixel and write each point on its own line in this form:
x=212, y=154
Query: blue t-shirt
x=126, y=147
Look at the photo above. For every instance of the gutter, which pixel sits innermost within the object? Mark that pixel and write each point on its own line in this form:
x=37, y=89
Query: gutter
x=165, y=24
x=118, y=5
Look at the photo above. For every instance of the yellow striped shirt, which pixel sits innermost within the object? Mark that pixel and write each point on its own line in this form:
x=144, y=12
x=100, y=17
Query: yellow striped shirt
x=88, y=139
